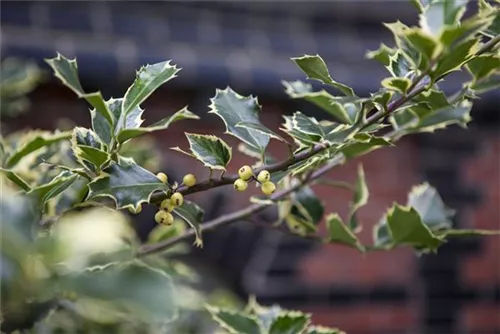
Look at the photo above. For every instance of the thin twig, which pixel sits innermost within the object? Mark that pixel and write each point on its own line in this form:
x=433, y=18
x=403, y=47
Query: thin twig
x=231, y=217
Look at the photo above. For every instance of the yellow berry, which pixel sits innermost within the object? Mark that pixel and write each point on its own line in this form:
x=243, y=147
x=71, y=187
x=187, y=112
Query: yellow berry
x=167, y=205
x=245, y=173
x=163, y=177
x=135, y=211
x=177, y=199
x=268, y=187
x=263, y=176
x=164, y=217
x=189, y=180
x=240, y=185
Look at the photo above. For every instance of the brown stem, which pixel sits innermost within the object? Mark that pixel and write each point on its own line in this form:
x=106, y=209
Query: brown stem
x=231, y=217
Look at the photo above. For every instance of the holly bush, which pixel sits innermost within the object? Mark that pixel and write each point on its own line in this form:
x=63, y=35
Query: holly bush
x=71, y=261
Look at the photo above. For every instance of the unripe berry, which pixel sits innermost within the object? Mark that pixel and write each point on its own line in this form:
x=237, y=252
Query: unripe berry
x=164, y=217
x=189, y=180
x=263, y=176
x=163, y=177
x=240, y=185
x=268, y=187
x=177, y=199
x=245, y=173
x=135, y=211
x=167, y=205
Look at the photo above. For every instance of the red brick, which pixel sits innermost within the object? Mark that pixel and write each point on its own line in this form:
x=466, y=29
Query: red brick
x=480, y=318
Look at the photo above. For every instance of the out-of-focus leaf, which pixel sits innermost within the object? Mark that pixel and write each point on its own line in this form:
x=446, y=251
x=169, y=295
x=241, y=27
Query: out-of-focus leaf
x=400, y=85
x=382, y=54
x=360, y=199
x=235, y=322
x=338, y=232
x=290, y=323
x=308, y=205
x=45, y=192
x=16, y=179
x=483, y=66
x=429, y=205
x=455, y=59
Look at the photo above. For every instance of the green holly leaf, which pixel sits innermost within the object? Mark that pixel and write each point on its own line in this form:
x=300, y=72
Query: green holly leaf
x=400, y=85
x=67, y=71
x=235, y=322
x=192, y=214
x=439, y=14
x=408, y=50
x=485, y=85
x=131, y=285
x=441, y=118
x=323, y=330
x=290, y=323
x=398, y=65
x=127, y=183
x=129, y=133
x=16, y=179
x=483, y=66
x=455, y=59
x=406, y=228
x=33, y=141
x=148, y=79
x=360, y=199
x=301, y=138
x=428, y=47
x=315, y=68
x=382, y=54
x=322, y=99
x=307, y=125
x=430, y=206
x=338, y=232
x=307, y=205
x=43, y=193
x=233, y=108
x=88, y=148
x=262, y=129
x=362, y=143
x=212, y=151
x=488, y=10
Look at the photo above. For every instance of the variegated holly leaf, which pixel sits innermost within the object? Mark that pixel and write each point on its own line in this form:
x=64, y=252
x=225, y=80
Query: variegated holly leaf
x=487, y=9
x=487, y=84
x=483, y=66
x=360, y=199
x=33, y=141
x=16, y=179
x=301, y=138
x=131, y=286
x=307, y=205
x=129, y=133
x=212, y=151
x=315, y=68
x=233, y=108
x=127, y=183
x=262, y=129
x=307, y=125
x=323, y=330
x=425, y=44
x=430, y=206
x=235, y=322
x=67, y=71
x=192, y=214
x=440, y=119
x=454, y=60
x=148, y=79
x=338, y=232
x=407, y=228
x=382, y=54
x=400, y=85
x=89, y=149
x=436, y=15
x=398, y=65
x=322, y=99
x=42, y=194
x=299, y=225
x=362, y=143
x=291, y=322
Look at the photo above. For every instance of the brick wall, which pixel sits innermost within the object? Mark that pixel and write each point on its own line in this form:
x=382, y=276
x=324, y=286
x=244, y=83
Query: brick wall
x=382, y=292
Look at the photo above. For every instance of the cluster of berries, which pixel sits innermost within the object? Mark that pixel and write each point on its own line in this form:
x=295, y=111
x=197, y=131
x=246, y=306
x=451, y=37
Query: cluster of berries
x=164, y=215
x=246, y=174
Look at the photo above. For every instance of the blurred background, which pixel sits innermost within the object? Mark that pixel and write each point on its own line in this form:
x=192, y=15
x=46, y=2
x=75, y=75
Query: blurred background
x=247, y=45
